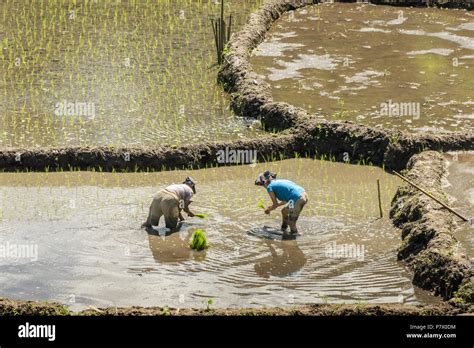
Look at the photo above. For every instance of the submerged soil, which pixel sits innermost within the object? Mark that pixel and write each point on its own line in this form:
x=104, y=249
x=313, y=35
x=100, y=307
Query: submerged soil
x=91, y=250
x=400, y=68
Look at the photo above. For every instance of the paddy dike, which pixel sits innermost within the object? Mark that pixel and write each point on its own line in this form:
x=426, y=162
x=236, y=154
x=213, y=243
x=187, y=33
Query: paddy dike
x=36, y=308
x=251, y=95
x=342, y=141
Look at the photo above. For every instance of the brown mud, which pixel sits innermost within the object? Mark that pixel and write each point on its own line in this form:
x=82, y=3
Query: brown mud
x=342, y=141
x=33, y=308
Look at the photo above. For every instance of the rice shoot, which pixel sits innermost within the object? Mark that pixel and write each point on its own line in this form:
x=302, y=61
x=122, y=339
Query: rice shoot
x=199, y=241
x=201, y=216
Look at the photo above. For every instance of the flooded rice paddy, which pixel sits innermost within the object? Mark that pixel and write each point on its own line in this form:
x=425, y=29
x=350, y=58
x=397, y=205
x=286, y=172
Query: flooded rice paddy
x=122, y=73
x=461, y=192
x=92, y=252
x=404, y=68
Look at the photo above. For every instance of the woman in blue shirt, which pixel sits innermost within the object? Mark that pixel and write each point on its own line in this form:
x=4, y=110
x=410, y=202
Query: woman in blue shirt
x=284, y=193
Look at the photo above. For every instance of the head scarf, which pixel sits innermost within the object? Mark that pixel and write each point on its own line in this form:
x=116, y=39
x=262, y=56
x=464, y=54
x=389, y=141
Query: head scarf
x=190, y=182
x=262, y=178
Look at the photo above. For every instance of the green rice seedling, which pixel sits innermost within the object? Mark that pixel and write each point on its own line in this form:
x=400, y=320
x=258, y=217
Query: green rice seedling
x=166, y=311
x=209, y=303
x=201, y=216
x=151, y=65
x=260, y=205
x=199, y=241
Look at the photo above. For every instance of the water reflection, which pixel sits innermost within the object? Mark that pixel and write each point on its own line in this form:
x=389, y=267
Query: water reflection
x=288, y=260
x=172, y=246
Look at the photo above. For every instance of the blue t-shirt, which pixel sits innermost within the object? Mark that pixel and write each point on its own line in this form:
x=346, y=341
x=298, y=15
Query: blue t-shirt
x=285, y=190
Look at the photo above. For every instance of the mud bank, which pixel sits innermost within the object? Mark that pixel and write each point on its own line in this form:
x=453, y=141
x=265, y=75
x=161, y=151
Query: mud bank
x=429, y=245
x=340, y=141
x=33, y=308
x=138, y=159
x=352, y=143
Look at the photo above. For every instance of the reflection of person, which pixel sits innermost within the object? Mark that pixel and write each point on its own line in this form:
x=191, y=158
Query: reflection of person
x=291, y=195
x=169, y=202
x=290, y=261
x=172, y=248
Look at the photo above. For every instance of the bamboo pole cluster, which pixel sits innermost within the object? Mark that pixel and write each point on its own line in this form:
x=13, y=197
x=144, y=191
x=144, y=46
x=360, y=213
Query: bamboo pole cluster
x=221, y=32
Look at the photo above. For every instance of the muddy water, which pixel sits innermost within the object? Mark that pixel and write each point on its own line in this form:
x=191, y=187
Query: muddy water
x=461, y=192
x=91, y=250
x=404, y=68
x=116, y=73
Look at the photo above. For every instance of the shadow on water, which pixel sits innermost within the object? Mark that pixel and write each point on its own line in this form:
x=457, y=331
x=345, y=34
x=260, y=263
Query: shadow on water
x=287, y=262
x=271, y=233
x=286, y=258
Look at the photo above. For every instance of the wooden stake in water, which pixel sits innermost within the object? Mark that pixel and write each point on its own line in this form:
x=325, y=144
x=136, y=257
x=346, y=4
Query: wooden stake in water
x=380, y=201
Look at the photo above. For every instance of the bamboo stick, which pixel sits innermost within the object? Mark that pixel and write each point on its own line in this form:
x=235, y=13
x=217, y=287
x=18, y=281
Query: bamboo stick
x=218, y=28
x=380, y=201
x=228, y=28
x=214, y=30
x=222, y=32
x=222, y=9
x=432, y=197
x=222, y=35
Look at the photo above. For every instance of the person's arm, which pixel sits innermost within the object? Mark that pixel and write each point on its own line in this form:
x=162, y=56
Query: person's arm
x=275, y=203
x=186, y=209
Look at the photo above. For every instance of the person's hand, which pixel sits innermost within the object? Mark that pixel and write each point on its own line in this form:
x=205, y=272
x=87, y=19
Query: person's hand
x=181, y=218
x=267, y=211
x=190, y=214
